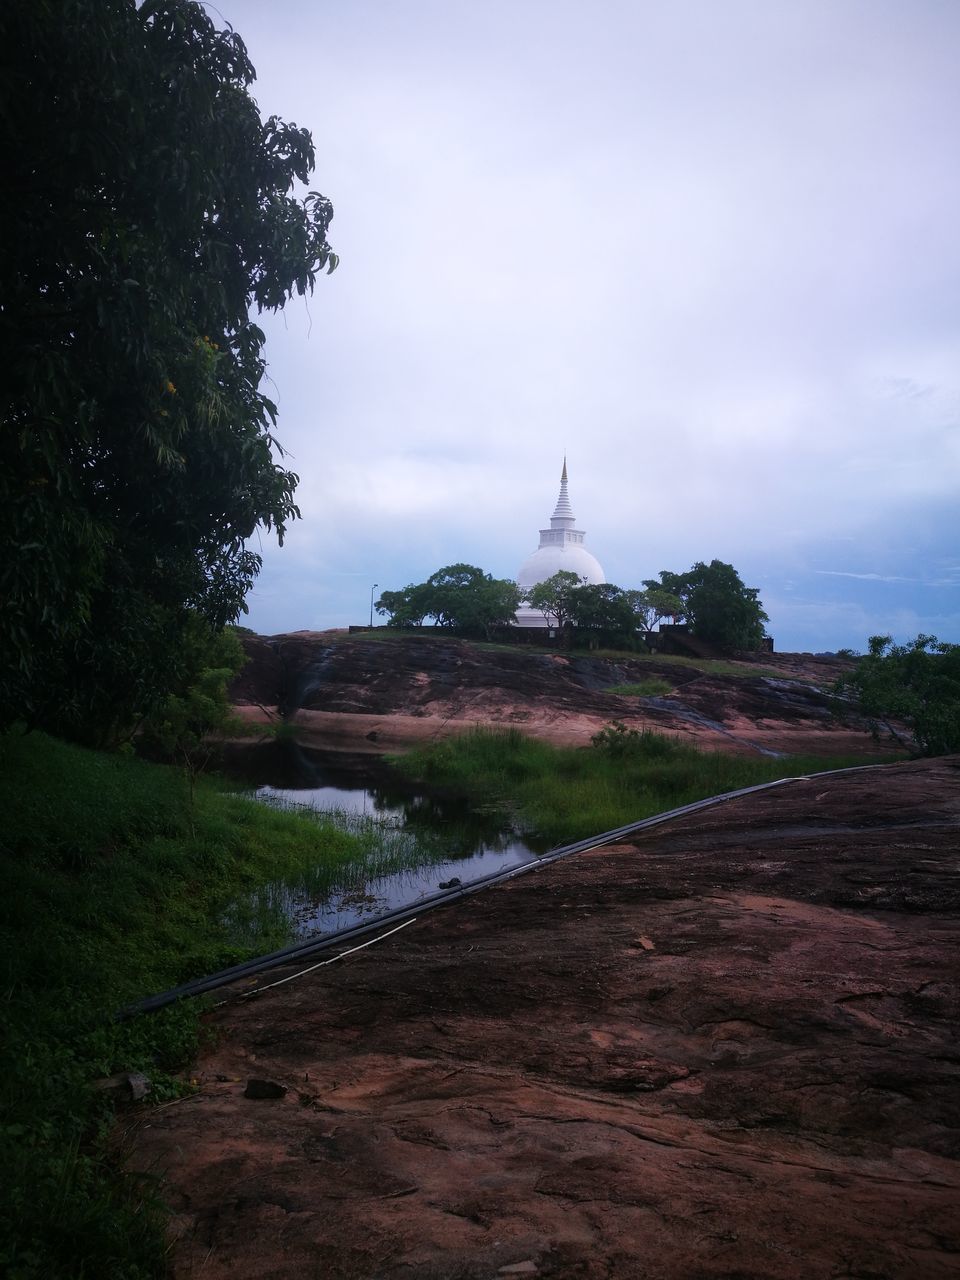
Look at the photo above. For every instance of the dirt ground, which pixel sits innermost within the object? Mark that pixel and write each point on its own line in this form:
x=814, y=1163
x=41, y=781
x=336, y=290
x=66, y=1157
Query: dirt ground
x=725, y=1048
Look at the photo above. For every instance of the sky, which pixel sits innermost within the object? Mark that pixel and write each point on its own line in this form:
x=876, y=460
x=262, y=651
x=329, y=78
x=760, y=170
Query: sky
x=706, y=249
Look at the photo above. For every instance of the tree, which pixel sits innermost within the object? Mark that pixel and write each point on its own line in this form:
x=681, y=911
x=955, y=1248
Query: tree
x=407, y=607
x=553, y=597
x=471, y=601
x=650, y=607
x=453, y=592
x=720, y=608
x=603, y=612
x=918, y=683
x=179, y=727
x=146, y=209
x=459, y=596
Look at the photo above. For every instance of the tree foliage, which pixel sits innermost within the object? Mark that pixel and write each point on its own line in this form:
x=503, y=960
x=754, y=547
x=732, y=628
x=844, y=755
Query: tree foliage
x=603, y=613
x=600, y=610
x=459, y=596
x=554, y=596
x=146, y=209
x=179, y=728
x=407, y=607
x=653, y=605
x=918, y=683
x=465, y=598
x=720, y=609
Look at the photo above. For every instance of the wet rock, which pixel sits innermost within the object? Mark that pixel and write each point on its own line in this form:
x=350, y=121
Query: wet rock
x=259, y=1089
x=126, y=1086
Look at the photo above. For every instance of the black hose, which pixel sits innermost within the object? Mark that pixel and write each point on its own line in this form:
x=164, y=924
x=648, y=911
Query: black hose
x=297, y=951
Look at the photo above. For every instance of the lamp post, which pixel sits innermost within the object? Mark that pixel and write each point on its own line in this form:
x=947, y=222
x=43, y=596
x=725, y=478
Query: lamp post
x=372, y=590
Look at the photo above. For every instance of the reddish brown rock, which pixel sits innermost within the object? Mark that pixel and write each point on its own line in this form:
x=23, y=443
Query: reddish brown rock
x=367, y=694
x=725, y=1049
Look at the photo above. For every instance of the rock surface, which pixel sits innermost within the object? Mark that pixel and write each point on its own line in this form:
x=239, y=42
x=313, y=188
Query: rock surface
x=380, y=695
x=727, y=1048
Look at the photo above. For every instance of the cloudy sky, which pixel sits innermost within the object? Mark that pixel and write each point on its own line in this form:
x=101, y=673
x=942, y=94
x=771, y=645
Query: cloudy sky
x=707, y=249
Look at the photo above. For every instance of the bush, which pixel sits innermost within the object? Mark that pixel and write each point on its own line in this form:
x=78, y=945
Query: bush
x=918, y=683
x=616, y=741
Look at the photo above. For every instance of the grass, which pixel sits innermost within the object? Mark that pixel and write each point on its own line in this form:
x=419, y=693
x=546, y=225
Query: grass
x=384, y=849
x=113, y=887
x=567, y=793
x=650, y=688
x=707, y=666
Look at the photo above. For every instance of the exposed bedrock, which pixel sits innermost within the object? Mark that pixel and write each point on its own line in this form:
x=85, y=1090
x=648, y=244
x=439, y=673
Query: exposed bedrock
x=319, y=678
x=725, y=1049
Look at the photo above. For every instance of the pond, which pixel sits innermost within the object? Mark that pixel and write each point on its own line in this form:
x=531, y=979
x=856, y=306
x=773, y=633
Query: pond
x=421, y=843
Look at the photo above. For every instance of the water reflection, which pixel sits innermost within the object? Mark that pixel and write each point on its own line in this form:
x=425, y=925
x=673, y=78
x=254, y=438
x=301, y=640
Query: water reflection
x=454, y=844
x=343, y=907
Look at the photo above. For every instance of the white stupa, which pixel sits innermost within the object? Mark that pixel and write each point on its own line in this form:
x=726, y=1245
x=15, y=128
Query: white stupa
x=561, y=547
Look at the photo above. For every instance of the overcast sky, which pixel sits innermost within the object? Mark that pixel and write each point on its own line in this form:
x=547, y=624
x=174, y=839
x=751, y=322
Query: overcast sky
x=707, y=250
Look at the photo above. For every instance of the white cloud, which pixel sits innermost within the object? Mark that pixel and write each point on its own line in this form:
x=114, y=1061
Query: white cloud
x=865, y=577
x=707, y=251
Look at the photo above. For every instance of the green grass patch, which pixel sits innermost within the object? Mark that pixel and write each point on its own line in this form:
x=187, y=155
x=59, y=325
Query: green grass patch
x=650, y=688
x=708, y=666
x=113, y=887
x=567, y=794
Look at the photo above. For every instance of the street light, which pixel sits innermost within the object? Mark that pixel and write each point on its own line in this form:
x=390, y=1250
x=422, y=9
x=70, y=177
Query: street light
x=372, y=590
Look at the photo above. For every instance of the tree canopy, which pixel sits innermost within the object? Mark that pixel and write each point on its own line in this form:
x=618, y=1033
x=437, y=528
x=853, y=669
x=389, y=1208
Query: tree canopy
x=600, y=611
x=720, y=609
x=554, y=596
x=463, y=597
x=407, y=607
x=653, y=605
x=146, y=208
x=459, y=596
x=918, y=683
x=604, y=611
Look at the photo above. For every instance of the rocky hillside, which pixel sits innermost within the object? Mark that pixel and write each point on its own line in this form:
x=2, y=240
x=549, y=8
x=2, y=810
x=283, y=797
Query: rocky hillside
x=384, y=693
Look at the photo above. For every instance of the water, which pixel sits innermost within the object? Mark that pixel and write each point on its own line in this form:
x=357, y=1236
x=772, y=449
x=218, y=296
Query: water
x=454, y=842
x=376, y=897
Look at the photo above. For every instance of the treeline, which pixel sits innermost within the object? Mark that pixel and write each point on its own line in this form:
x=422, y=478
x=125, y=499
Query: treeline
x=710, y=598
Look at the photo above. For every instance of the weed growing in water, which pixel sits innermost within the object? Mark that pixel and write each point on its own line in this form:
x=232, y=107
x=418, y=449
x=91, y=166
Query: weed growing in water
x=568, y=793
x=383, y=848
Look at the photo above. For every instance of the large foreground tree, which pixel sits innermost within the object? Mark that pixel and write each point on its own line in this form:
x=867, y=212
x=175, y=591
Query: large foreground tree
x=146, y=210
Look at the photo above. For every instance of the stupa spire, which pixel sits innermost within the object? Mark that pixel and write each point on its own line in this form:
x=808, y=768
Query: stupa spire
x=561, y=548
x=564, y=511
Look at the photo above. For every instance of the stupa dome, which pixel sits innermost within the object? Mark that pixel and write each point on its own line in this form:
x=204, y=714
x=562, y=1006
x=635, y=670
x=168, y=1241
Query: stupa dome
x=561, y=547
x=546, y=561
